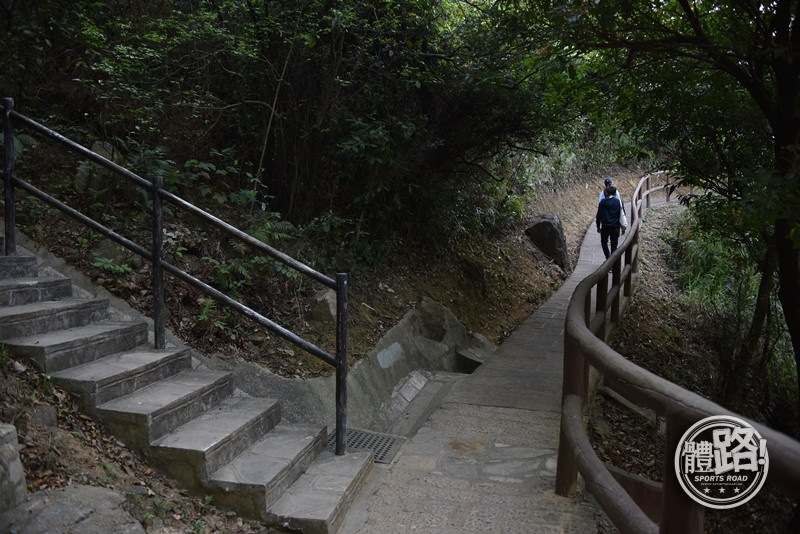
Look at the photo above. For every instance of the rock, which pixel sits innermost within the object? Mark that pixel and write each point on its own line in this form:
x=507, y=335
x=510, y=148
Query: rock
x=76, y=508
x=45, y=415
x=323, y=307
x=547, y=235
x=12, y=475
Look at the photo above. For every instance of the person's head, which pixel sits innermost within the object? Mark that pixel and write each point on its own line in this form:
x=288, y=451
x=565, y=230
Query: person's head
x=607, y=181
x=611, y=191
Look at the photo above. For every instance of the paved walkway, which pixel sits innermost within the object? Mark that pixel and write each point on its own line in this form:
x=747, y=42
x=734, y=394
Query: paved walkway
x=485, y=460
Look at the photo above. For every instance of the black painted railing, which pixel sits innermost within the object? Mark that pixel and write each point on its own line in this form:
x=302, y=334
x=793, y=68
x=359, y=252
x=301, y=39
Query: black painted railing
x=155, y=254
x=587, y=329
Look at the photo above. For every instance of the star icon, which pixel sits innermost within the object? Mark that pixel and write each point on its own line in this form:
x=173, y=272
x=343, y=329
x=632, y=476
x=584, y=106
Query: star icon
x=707, y=490
x=722, y=490
x=736, y=490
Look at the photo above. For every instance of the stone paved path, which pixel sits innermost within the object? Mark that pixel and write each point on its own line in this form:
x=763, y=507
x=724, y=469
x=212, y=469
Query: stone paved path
x=485, y=460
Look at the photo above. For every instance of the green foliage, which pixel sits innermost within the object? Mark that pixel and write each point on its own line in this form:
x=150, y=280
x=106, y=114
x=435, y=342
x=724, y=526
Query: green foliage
x=376, y=111
x=208, y=310
x=161, y=507
x=21, y=142
x=30, y=211
x=714, y=270
x=212, y=318
x=173, y=248
x=110, y=266
x=234, y=275
x=270, y=228
x=340, y=244
x=707, y=271
x=87, y=239
x=206, y=503
x=718, y=278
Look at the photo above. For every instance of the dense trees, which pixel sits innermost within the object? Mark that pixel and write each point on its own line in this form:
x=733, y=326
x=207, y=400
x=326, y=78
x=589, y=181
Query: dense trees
x=716, y=88
x=376, y=113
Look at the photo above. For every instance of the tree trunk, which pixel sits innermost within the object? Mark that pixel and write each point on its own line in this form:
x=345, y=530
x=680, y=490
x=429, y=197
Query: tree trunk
x=734, y=394
x=789, y=292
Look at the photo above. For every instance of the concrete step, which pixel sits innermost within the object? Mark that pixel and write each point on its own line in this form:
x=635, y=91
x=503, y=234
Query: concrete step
x=145, y=415
x=205, y=444
x=61, y=349
x=19, y=291
x=256, y=479
x=120, y=374
x=188, y=422
x=318, y=501
x=40, y=317
x=22, y=266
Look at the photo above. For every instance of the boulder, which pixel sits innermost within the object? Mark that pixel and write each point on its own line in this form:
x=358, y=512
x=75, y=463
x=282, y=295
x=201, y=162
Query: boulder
x=12, y=474
x=547, y=235
x=323, y=307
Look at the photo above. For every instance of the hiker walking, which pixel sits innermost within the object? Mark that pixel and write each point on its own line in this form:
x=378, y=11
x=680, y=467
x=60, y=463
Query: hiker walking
x=608, y=220
x=607, y=182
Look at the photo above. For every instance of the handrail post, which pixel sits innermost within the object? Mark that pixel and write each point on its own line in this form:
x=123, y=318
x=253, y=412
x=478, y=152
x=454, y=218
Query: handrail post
x=158, y=272
x=601, y=306
x=616, y=303
x=8, y=144
x=639, y=207
x=630, y=262
x=679, y=513
x=341, y=364
x=572, y=384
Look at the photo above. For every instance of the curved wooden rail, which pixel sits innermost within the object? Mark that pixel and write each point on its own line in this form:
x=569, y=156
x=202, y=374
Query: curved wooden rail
x=586, y=330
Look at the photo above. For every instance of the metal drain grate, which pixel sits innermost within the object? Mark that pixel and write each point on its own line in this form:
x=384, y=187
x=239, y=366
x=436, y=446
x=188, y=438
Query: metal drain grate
x=383, y=446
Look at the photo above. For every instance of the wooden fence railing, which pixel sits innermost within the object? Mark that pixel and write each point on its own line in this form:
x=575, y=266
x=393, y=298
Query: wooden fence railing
x=587, y=329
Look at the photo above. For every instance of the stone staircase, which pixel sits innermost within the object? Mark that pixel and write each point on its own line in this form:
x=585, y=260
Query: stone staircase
x=189, y=422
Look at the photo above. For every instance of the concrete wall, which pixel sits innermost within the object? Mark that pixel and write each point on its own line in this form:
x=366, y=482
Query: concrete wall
x=426, y=338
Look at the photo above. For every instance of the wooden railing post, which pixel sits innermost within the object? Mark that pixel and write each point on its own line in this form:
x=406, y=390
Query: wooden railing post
x=680, y=514
x=572, y=384
x=630, y=260
x=8, y=143
x=601, y=305
x=616, y=284
x=667, y=188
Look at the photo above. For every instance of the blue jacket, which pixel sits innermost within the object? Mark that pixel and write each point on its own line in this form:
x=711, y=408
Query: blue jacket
x=608, y=212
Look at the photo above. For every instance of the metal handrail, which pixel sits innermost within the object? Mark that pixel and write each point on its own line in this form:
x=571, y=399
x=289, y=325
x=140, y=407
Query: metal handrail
x=585, y=334
x=155, y=256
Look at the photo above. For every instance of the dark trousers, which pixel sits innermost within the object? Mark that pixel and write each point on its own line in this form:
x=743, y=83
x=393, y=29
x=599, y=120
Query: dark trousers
x=607, y=233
